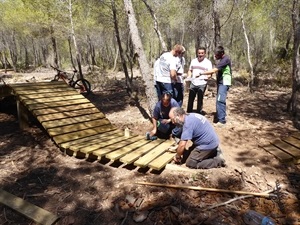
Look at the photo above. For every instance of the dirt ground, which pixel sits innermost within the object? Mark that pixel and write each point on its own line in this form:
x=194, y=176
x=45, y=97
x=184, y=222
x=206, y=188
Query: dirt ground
x=84, y=192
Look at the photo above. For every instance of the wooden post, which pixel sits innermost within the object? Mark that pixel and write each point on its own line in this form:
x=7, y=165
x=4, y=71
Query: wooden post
x=22, y=115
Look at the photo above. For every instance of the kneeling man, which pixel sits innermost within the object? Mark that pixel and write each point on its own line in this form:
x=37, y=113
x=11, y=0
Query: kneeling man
x=204, y=153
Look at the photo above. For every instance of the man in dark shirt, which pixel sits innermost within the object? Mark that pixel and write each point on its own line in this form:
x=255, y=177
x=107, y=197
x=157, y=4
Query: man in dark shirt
x=224, y=74
x=162, y=124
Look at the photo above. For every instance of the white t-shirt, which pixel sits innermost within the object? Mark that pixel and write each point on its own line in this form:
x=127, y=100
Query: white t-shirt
x=198, y=67
x=180, y=69
x=155, y=70
x=167, y=62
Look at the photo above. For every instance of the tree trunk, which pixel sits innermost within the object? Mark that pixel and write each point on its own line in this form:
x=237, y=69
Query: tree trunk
x=70, y=52
x=162, y=42
x=139, y=51
x=128, y=83
x=217, y=26
x=78, y=56
x=54, y=46
x=294, y=103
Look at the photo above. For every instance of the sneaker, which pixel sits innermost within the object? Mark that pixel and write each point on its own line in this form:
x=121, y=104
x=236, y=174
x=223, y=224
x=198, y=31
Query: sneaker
x=219, y=124
x=148, y=137
x=220, y=156
x=219, y=152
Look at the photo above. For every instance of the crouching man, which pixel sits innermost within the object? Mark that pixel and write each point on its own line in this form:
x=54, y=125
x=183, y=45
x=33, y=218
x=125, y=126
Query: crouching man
x=204, y=153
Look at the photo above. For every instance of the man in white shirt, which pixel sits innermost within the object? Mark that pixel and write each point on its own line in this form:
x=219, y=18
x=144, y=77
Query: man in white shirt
x=198, y=82
x=179, y=86
x=167, y=72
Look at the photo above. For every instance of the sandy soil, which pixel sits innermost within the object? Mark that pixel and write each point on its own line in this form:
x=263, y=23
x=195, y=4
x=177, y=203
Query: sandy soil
x=84, y=192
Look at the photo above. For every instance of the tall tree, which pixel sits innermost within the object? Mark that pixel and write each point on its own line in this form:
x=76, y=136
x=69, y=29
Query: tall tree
x=295, y=98
x=156, y=27
x=138, y=47
x=242, y=13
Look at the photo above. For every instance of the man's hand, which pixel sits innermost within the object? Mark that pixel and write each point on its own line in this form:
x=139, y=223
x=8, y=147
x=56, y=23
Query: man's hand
x=153, y=132
x=177, y=159
x=166, y=121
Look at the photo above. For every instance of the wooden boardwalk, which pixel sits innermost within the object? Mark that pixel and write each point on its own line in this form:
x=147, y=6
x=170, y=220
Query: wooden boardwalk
x=287, y=150
x=80, y=129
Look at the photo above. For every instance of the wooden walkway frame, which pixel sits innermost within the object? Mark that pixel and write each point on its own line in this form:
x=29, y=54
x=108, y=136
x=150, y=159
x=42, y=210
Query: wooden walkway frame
x=287, y=150
x=80, y=129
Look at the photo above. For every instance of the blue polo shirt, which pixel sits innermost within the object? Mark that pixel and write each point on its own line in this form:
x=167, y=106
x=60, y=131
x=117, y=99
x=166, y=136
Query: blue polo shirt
x=198, y=129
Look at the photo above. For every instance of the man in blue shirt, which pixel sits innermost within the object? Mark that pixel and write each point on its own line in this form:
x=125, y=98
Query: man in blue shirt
x=162, y=124
x=196, y=128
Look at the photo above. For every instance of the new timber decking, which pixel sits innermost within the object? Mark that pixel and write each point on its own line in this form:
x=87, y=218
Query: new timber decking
x=80, y=129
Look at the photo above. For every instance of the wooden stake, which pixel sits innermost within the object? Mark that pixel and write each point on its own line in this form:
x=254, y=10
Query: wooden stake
x=262, y=194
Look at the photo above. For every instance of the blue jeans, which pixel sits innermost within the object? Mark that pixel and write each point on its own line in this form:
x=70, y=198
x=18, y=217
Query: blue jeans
x=221, y=102
x=164, y=87
x=179, y=93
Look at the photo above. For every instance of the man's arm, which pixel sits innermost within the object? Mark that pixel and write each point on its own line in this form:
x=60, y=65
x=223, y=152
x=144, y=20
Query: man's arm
x=173, y=75
x=179, y=151
x=210, y=72
x=154, y=128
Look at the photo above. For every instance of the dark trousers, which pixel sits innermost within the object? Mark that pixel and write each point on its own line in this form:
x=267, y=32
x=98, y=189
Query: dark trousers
x=199, y=91
x=163, y=88
x=179, y=93
x=203, y=159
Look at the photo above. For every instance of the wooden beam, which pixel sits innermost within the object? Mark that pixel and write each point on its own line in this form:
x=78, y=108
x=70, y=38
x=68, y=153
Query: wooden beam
x=23, y=115
x=259, y=194
x=27, y=209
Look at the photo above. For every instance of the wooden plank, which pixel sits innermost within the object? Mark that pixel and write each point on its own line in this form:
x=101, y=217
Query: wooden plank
x=62, y=115
x=44, y=90
x=86, y=106
x=76, y=127
x=87, y=147
x=161, y=161
x=53, y=99
x=56, y=104
x=157, y=151
x=68, y=121
x=295, y=152
x=27, y=209
x=126, y=149
x=282, y=156
x=38, y=85
x=47, y=95
x=90, y=138
x=133, y=156
x=101, y=143
x=105, y=150
x=293, y=141
x=80, y=134
x=296, y=135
